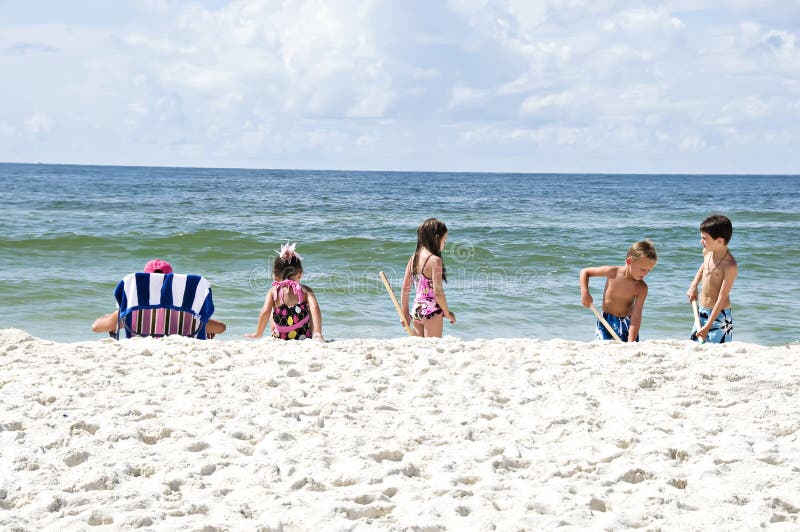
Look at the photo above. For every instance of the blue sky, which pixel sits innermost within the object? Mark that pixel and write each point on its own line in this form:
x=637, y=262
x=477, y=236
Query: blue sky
x=463, y=85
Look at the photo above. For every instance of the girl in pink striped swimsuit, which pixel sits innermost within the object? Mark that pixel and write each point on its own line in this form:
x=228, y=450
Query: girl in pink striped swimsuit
x=426, y=270
x=291, y=306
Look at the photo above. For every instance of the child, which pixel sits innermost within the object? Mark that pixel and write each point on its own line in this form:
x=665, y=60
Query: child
x=624, y=293
x=717, y=274
x=109, y=322
x=426, y=269
x=292, y=306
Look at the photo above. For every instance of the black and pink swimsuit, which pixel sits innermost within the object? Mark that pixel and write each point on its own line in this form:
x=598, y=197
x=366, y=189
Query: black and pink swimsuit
x=291, y=322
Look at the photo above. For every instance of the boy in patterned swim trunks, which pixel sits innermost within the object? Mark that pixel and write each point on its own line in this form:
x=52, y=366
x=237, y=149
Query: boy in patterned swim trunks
x=624, y=293
x=715, y=276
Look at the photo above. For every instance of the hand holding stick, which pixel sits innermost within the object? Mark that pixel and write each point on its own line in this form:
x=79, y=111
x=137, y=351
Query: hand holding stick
x=605, y=323
x=697, y=321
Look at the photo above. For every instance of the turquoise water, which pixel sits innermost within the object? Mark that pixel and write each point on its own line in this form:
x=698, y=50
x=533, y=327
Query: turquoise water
x=516, y=244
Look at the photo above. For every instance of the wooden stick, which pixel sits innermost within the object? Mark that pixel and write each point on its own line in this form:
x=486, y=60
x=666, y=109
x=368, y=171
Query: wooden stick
x=697, y=320
x=396, y=304
x=605, y=323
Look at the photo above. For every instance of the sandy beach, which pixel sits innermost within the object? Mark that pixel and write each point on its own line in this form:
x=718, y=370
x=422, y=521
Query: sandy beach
x=398, y=434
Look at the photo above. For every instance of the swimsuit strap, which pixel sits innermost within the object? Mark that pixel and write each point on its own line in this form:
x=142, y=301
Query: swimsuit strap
x=292, y=285
x=422, y=269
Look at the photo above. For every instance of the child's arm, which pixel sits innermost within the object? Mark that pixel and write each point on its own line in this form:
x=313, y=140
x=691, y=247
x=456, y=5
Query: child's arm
x=264, y=315
x=316, y=314
x=692, y=291
x=107, y=323
x=438, y=288
x=406, y=290
x=723, y=298
x=214, y=327
x=636, y=315
x=599, y=271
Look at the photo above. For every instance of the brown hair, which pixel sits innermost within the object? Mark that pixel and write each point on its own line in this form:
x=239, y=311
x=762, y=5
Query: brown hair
x=429, y=236
x=286, y=267
x=717, y=226
x=643, y=249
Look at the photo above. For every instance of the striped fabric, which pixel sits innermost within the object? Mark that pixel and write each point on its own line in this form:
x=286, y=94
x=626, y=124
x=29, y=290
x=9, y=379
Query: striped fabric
x=155, y=304
x=163, y=322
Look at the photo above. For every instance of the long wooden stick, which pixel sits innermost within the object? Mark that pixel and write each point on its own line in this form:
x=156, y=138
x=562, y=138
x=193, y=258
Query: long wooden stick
x=697, y=320
x=605, y=323
x=396, y=304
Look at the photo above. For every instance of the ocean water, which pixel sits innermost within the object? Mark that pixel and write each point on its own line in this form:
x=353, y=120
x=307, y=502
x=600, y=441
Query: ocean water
x=69, y=233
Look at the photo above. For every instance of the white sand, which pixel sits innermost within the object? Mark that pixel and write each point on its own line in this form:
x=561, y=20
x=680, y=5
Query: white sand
x=401, y=434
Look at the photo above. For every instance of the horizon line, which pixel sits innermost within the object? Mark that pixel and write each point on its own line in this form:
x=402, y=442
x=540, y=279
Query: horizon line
x=254, y=168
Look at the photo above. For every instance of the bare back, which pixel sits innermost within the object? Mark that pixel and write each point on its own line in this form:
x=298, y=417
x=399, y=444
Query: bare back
x=425, y=265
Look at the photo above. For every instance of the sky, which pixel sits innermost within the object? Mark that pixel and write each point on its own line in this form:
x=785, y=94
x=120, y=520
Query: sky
x=673, y=86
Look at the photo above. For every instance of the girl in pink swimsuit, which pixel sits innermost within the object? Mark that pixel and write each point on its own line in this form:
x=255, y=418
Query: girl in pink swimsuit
x=427, y=272
x=291, y=306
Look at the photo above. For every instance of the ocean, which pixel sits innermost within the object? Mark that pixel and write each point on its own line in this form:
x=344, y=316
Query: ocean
x=516, y=244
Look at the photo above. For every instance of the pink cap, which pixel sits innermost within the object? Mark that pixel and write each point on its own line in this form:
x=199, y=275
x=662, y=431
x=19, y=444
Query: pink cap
x=158, y=266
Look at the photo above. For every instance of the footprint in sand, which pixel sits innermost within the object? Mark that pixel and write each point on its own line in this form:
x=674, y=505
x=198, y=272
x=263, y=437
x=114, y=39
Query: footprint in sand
x=364, y=499
x=635, y=476
x=779, y=504
x=81, y=426
x=104, y=482
x=151, y=436
x=393, y=456
x=76, y=458
x=369, y=512
x=598, y=505
x=46, y=400
x=678, y=483
x=99, y=518
x=243, y=436
x=197, y=446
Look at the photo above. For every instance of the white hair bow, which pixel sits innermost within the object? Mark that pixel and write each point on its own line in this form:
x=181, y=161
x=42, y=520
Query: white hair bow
x=287, y=251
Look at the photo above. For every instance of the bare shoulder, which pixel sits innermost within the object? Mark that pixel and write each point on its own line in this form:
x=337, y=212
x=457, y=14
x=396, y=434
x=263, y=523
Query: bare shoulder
x=615, y=271
x=307, y=289
x=729, y=265
x=602, y=271
x=430, y=265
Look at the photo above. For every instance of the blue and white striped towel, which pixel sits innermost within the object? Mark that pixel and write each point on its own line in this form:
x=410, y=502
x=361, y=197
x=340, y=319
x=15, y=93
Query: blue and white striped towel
x=192, y=293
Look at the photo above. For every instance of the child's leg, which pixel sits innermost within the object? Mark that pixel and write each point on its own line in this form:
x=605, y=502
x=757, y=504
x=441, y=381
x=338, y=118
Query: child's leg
x=419, y=327
x=434, y=326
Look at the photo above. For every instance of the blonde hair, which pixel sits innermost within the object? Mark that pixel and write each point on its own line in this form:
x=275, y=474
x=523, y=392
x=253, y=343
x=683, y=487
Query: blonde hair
x=643, y=249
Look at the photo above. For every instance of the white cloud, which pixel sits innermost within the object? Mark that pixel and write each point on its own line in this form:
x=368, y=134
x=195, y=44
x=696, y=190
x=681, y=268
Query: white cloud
x=465, y=96
x=38, y=125
x=26, y=48
x=7, y=130
x=692, y=144
x=534, y=104
x=644, y=21
x=351, y=83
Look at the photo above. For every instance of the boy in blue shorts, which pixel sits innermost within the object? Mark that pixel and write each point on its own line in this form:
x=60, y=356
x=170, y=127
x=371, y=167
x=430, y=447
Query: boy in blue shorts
x=715, y=277
x=624, y=293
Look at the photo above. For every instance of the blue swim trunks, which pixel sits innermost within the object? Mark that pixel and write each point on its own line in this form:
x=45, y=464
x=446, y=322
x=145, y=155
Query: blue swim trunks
x=721, y=330
x=620, y=326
